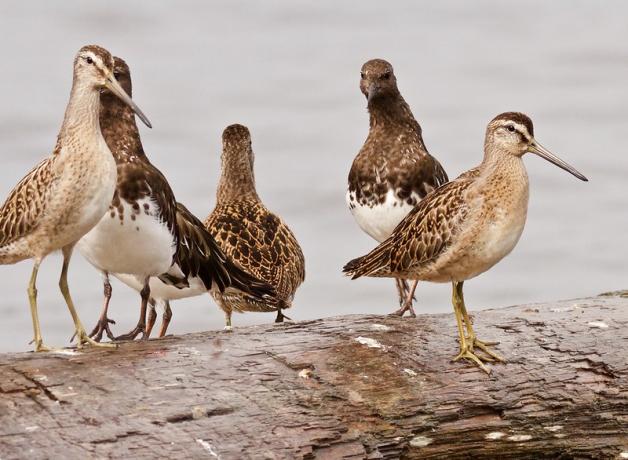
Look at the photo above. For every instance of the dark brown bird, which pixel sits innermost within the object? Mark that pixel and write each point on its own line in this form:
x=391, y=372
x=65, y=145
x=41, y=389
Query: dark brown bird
x=393, y=171
x=147, y=238
x=249, y=233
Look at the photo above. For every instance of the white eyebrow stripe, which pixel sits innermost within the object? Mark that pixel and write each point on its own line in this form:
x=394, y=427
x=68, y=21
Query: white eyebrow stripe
x=522, y=129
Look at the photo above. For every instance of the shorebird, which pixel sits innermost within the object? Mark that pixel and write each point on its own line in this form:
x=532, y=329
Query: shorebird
x=249, y=233
x=393, y=170
x=466, y=226
x=146, y=235
x=66, y=194
x=196, y=241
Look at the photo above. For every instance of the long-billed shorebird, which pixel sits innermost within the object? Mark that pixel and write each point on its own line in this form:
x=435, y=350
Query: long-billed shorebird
x=66, y=194
x=249, y=233
x=146, y=237
x=393, y=171
x=465, y=227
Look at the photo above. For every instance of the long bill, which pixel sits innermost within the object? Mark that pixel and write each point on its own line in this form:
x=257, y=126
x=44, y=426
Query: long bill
x=112, y=85
x=541, y=151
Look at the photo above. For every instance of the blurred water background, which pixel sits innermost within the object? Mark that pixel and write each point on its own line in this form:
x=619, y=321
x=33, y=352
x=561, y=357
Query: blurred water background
x=290, y=71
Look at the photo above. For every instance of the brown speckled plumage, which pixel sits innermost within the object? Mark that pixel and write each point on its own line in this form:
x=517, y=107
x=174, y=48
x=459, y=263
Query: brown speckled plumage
x=64, y=196
x=466, y=226
x=138, y=178
x=248, y=232
x=393, y=170
x=143, y=189
x=394, y=155
x=20, y=212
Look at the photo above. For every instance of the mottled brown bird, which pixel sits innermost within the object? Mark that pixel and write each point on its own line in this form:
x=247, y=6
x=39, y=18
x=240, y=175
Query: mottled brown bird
x=249, y=233
x=393, y=171
x=466, y=226
x=146, y=238
x=64, y=196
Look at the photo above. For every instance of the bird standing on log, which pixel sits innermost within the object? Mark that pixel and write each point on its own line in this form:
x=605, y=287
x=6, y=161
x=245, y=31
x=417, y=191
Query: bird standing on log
x=147, y=237
x=393, y=171
x=66, y=194
x=249, y=233
x=465, y=227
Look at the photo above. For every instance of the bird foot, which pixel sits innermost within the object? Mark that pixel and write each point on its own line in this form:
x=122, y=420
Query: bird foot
x=228, y=329
x=281, y=317
x=84, y=339
x=467, y=351
x=402, y=311
x=40, y=347
x=102, y=326
x=469, y=355
x=139, y=329
x=474, y=342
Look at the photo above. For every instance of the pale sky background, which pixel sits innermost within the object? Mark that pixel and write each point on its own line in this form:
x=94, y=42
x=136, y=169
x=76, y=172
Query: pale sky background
x=290, y=70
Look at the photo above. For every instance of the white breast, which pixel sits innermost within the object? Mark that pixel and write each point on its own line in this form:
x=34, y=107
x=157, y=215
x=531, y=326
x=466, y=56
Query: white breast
x=139, y=244
x=380, y=220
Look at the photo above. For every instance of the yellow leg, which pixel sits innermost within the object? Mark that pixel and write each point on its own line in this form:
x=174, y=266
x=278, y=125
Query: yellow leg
x=466, y=352
x=472, y=338
x=32, y=297
x=81, y=335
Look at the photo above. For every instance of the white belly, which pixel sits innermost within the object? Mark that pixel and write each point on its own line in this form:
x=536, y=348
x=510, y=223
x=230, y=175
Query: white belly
x=380, y=220
x=161, y=291
x=141, y=246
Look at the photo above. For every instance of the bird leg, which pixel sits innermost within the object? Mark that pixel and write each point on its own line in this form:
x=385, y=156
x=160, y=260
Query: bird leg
x=466, y=346
x=103, y=321
x=152, y=317
x=81, y=335
x=140, y=328
x=401, y=290
x=280, y=316
x=408, y=293
x=32, y=297
x=472, y=339
x=165, y=319
x=228, y=327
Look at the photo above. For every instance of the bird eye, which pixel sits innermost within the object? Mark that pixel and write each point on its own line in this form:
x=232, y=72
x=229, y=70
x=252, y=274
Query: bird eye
x=116, y=75
x=362, y=75
x=386, y=76
x=510, y=128
x=89, y=60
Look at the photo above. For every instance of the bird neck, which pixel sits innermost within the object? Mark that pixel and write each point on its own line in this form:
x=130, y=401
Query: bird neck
x=237, y=180
x=391, y=112
x=501, y=168
x=81, y=116
x=117, y=122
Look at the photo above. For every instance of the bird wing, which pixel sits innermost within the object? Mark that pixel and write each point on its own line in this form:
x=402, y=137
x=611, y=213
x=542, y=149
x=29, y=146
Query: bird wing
x=259, y=241
x=22, y=209
x=424, y=234
x=198, y=255
x=140, y=179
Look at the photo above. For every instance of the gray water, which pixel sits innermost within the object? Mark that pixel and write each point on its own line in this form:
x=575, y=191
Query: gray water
x=289, y=70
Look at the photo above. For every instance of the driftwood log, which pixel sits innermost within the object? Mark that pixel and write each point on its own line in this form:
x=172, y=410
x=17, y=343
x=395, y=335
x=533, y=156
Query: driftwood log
x=350, y=387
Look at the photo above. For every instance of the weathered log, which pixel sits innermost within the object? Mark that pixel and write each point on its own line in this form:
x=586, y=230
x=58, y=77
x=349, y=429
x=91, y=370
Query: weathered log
x=346, y=387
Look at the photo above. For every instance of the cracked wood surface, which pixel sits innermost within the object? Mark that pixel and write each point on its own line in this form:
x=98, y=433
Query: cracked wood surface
x=349, y=387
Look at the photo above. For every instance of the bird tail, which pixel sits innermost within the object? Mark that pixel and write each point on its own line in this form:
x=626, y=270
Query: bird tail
x=372, y=264
x=199, y=255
